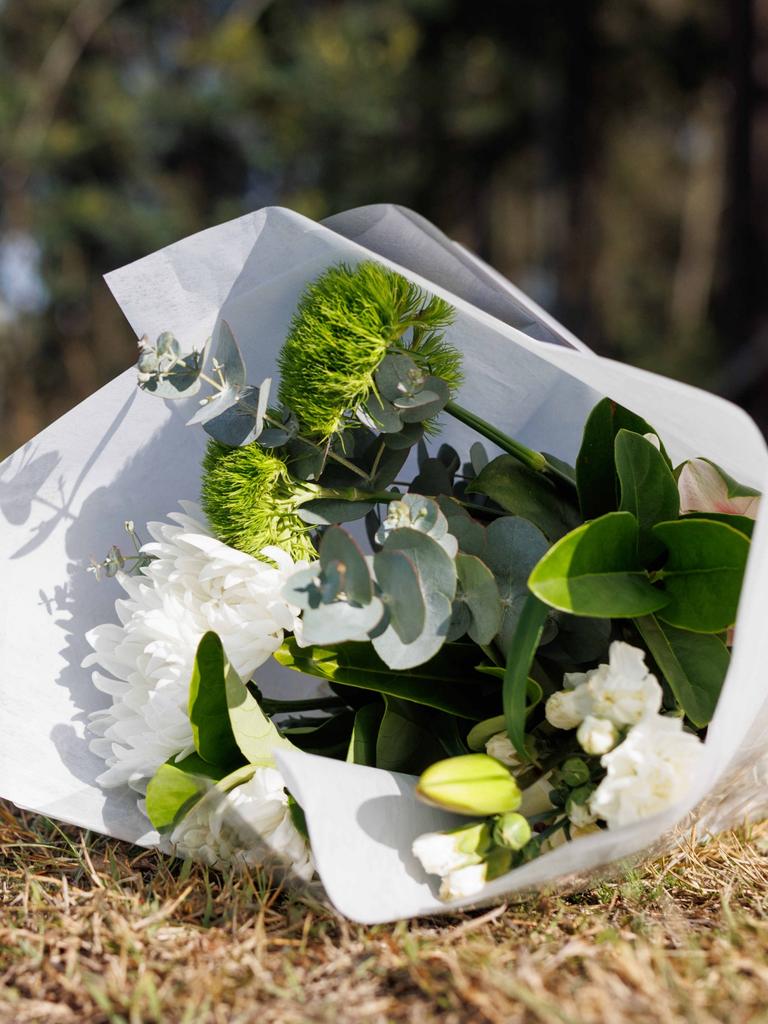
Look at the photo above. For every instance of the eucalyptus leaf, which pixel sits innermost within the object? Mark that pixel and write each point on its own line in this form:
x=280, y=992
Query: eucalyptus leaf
x=341, y=622
x=410, y=435
x=401, y=593
x=240, y=422
x=525, y=493
x=594, y=571
x=398, y=375
x=432, y=479
x=694, y=665
x=703, y=575
x=339, y=549
x=227, y=357
x=468, y=532
x=480, y=594
x=383, y=414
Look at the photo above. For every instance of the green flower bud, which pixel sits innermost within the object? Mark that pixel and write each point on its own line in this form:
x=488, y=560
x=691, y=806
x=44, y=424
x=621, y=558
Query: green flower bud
x=574, y=772
x=512, y=831
x=497, y=863
x=470, y=784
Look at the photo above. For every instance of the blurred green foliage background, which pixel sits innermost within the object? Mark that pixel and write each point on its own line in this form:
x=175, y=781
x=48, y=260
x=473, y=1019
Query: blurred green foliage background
x=609, y=156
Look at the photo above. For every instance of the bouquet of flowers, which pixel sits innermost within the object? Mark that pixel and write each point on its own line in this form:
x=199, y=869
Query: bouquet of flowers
x=532, y=646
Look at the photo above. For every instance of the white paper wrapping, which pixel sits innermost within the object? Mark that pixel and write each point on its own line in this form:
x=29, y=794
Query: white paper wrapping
x=123, y=454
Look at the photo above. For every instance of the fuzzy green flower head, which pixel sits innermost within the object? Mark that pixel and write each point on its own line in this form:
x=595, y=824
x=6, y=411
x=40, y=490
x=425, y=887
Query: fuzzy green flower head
x=251, y=501
x=346, y=322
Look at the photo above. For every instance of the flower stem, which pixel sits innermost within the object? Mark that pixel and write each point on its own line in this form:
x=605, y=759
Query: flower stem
x=533, y=459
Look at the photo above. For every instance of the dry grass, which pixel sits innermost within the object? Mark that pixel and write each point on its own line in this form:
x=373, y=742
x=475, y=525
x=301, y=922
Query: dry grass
x=92, y=930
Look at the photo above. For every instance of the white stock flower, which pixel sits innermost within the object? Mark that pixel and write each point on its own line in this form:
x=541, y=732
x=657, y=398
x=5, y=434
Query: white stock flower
x=232, y=829
x=439, y=853
x=581, y=816
x=195, y=583
x=653, y=768
x=501, y=747
x=465, y=882
x=597, y=735
x=623, y=691
x=566, y=709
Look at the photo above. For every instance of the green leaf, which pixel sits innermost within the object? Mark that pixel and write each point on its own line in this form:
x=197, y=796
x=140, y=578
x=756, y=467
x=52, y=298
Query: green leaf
x=445, y=683
x=437, y=580
x=694, y=665
x=406, y=741
x=594, y=571
x=743, y=524
x=362, y=743
x=703, y=575
x=596, y=477
x=401, y=593
x=648, y=488
x=337, y=549
x=327, y=736
x=211, y=730
x=733, y=487
x=255, y=733
x=170, y=793
x=481, y=596
x=526, y=493
x=519, y=660
x=323, y=511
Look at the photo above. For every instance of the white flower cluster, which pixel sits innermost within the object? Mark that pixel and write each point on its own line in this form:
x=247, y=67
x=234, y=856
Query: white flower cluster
x=455, y=857
x=601, y=702
x=231, y=830
x=194, y=583
x=656, y=763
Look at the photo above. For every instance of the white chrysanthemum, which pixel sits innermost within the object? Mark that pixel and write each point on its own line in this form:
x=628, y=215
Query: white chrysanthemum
x=234, y=828
x=623, y=691
x=654, y=767
x=195, y=583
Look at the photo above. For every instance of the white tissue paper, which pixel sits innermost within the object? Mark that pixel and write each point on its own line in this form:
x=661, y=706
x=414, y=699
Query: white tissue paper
x=124, y=455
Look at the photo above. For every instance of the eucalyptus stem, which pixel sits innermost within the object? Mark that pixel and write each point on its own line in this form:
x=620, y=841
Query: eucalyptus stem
x=533, y=459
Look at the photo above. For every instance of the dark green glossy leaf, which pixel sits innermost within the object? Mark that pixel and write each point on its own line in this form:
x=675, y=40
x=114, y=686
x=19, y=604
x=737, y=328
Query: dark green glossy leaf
x=525, y=493
x=325, y=511
x=594, y=571
x=519, y=660
x=596, y=477
x=648, y=489
x=694, y=665
x=703, y=575
x=211, y=730
x=362, y=744
x=743, y=524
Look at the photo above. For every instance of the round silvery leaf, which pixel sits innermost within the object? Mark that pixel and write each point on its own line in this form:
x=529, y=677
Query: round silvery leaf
x=340, y=622
x=397, y=376
x=227, y=359
x=337, y=549
x=401, y=593
x=382, y=415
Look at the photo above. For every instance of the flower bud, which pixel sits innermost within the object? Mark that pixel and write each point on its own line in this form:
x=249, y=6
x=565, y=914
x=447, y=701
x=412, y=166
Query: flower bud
x=464, y=882
x=500, y=746
x=470, y=784
x=597, y=735
x=512, y=831
x=566, y=709
x=574, y=772
x=443, y=852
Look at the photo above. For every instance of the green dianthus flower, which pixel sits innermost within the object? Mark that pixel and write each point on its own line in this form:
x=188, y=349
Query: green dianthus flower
x=251, y=501
x=346, y=322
